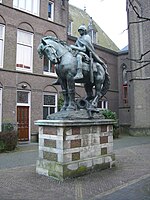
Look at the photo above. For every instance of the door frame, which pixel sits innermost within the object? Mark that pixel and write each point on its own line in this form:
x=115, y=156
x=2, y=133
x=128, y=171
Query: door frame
x=27, y=105
x=0, y=109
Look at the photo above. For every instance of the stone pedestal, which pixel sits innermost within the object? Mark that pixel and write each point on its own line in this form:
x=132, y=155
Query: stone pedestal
x=70, y=148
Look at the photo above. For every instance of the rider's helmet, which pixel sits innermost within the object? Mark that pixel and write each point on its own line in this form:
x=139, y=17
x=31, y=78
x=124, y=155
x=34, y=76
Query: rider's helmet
x=82, y=27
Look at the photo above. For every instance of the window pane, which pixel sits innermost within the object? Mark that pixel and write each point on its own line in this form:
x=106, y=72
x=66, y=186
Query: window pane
x=45, y=112
x=46, y=64
x=1, y=52
x=22, y=97
x=24, y=37
x=24, y=49
x=1, y=31
x=49, y=10
x=15, y=3
x=29, y=5
x=1, y=44
x=52, y=110
x=49, y=100
x=27, y=56
x=22, y=4
x=35, y=7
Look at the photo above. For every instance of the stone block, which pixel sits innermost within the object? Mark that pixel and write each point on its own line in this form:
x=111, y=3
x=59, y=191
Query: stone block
x=103, y=128
x=75, y=156
x=85, y=130
x=75, y=143
x=104, y=151
x=50, y=143
x=103, y=139
x=87, y=163
x=50, y=130
x=75, y=130
x=50, y=156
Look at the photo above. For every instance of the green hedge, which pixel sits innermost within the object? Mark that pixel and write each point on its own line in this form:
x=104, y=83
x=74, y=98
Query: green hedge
x=8, y=137
x=108, y=114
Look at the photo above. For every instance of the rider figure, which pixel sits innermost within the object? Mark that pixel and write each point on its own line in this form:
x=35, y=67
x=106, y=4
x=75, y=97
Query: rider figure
x=83, y=47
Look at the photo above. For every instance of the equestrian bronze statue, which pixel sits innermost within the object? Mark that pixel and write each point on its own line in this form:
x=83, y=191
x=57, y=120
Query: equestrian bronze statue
x=77, y=64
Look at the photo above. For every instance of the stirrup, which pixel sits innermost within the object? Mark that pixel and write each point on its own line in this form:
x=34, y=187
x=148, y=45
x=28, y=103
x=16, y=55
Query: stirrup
x=78, y=76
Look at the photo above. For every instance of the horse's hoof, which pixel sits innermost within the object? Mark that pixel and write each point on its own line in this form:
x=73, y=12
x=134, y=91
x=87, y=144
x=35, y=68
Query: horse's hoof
x=63, y=109
x=71, y=108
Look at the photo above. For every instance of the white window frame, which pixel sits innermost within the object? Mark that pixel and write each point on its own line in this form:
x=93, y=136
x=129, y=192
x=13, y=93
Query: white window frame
x=94, y=37
x=50, y=106
x=29, y=98
x=0, y=109
x=2, y=39
x=52, y=11
x=24, y=8
x=104, y=104
x=70, y=28
x=26, y=45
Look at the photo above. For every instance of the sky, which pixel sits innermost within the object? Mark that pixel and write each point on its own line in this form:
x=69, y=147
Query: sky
x=110, y=15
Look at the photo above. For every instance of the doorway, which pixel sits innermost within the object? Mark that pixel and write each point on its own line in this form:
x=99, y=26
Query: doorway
x=23, y=115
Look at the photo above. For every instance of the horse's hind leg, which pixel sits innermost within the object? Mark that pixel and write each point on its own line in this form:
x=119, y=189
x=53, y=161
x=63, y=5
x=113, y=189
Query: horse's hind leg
x=98, y=88
x=89, y=91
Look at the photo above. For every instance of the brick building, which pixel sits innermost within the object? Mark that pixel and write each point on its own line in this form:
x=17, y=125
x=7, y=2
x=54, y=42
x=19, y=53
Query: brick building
x=26, y=90
x=139, y=75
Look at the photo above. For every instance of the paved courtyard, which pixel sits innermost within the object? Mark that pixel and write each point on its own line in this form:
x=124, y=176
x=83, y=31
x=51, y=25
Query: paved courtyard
x=129, y=180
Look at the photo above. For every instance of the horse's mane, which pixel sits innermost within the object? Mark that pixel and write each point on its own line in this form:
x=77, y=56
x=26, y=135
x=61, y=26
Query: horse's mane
x=56, y=40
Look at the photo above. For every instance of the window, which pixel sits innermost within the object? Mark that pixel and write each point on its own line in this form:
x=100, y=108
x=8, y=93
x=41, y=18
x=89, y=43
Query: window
x=70, y=28
x=49, y=68
x=0, y=109
x=92, y=33
x=22, y=97
x=2, y=27
x=103, y=104
x=124, y=84
x=0, y=1
x=30, y=6
x=63, y=2
x=49, y=104
x=50, y=10
x=24, y=51
x=94, y=36
x=125, y=94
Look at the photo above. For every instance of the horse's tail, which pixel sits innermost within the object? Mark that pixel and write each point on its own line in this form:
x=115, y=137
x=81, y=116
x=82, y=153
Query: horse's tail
x=106, y=84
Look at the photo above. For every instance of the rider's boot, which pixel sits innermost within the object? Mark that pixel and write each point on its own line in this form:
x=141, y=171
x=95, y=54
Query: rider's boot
x=57, y=82
x=79, y=74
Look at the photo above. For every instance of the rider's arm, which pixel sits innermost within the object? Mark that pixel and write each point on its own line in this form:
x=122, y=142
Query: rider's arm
x=83, y=49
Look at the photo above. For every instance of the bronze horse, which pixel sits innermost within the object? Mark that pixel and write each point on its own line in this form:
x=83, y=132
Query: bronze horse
x=58, y=52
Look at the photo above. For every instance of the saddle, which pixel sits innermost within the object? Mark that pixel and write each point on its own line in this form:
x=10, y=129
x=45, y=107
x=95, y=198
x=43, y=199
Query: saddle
x=86, y=62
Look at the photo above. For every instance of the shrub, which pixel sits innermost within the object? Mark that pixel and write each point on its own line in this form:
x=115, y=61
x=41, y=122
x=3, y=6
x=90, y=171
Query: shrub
x=60, y=102
x=108, y=114
x=8, y=137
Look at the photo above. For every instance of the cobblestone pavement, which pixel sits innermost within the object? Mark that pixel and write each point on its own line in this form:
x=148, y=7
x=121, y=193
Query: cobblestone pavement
x=129, y=180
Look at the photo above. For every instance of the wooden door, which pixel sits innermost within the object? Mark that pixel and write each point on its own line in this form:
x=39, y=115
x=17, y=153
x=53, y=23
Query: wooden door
x=23, y=123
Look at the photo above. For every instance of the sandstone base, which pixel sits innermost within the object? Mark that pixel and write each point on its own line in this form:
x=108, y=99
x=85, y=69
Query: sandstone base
x=71, y=148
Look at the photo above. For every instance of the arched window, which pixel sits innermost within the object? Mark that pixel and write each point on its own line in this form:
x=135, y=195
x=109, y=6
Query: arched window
x=124, y=84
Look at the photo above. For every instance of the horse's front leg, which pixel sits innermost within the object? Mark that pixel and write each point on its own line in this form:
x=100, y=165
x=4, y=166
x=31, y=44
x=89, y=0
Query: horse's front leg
x=63, y=84
x=71, y=93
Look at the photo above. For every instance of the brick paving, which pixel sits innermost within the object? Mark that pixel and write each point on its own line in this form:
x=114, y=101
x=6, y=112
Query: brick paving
x=129, y=180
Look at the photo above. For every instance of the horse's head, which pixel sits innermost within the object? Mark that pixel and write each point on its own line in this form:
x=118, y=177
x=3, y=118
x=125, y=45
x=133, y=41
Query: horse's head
x=47, y=50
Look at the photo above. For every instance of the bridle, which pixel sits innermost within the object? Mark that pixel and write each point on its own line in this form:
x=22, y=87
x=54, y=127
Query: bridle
x=54, y=52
